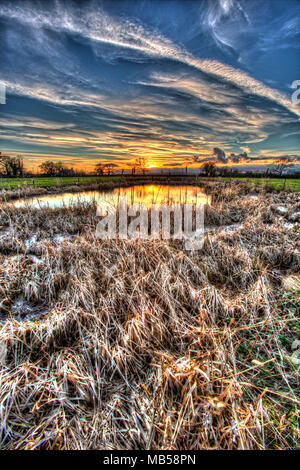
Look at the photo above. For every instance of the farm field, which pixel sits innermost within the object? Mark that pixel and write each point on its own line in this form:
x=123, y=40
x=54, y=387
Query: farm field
x=278, y=184
x=47, y=182
x=140, y=344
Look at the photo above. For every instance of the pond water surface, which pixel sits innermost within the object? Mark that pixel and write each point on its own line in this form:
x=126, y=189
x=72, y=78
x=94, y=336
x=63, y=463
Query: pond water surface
x=142, y=194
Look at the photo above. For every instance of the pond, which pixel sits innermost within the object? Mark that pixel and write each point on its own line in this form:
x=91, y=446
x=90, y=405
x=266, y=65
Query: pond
x=142, y=194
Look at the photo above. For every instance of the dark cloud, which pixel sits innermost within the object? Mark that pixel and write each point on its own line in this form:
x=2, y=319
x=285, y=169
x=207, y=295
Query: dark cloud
x=219, y=154
x=241, y=157
x=199, y=158
x=172, y=164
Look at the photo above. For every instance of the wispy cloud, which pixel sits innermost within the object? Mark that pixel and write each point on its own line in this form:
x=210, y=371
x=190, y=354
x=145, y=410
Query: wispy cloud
x=98, y=26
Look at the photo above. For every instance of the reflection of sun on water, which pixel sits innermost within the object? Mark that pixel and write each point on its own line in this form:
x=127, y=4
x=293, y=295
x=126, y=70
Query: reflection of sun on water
x=163, y=194
x=140, y=194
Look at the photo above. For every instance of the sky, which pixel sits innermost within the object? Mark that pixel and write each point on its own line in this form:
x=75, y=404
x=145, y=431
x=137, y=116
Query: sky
x=176, y=82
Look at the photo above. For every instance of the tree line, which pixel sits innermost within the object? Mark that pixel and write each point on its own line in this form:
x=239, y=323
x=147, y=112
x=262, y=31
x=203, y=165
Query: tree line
x=139, y=165
x=13, y=167
x=276, y=169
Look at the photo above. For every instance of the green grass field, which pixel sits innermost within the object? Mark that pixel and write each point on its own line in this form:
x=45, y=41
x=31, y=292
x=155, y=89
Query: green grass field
x=275, y=183
x=14, y=183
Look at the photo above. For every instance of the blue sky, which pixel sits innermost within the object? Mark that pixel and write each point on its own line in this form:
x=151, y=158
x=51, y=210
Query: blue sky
x=168, y=80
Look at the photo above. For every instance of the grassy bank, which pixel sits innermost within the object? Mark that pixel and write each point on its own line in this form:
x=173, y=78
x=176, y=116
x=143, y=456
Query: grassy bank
x=278, y=184
x=48, y=182
x=124, y=344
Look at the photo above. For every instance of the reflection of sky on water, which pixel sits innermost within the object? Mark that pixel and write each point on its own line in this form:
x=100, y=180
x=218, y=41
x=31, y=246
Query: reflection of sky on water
x=142, y=194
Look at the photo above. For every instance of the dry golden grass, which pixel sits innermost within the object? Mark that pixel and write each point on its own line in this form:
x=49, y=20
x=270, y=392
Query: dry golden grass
x=141, y=345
